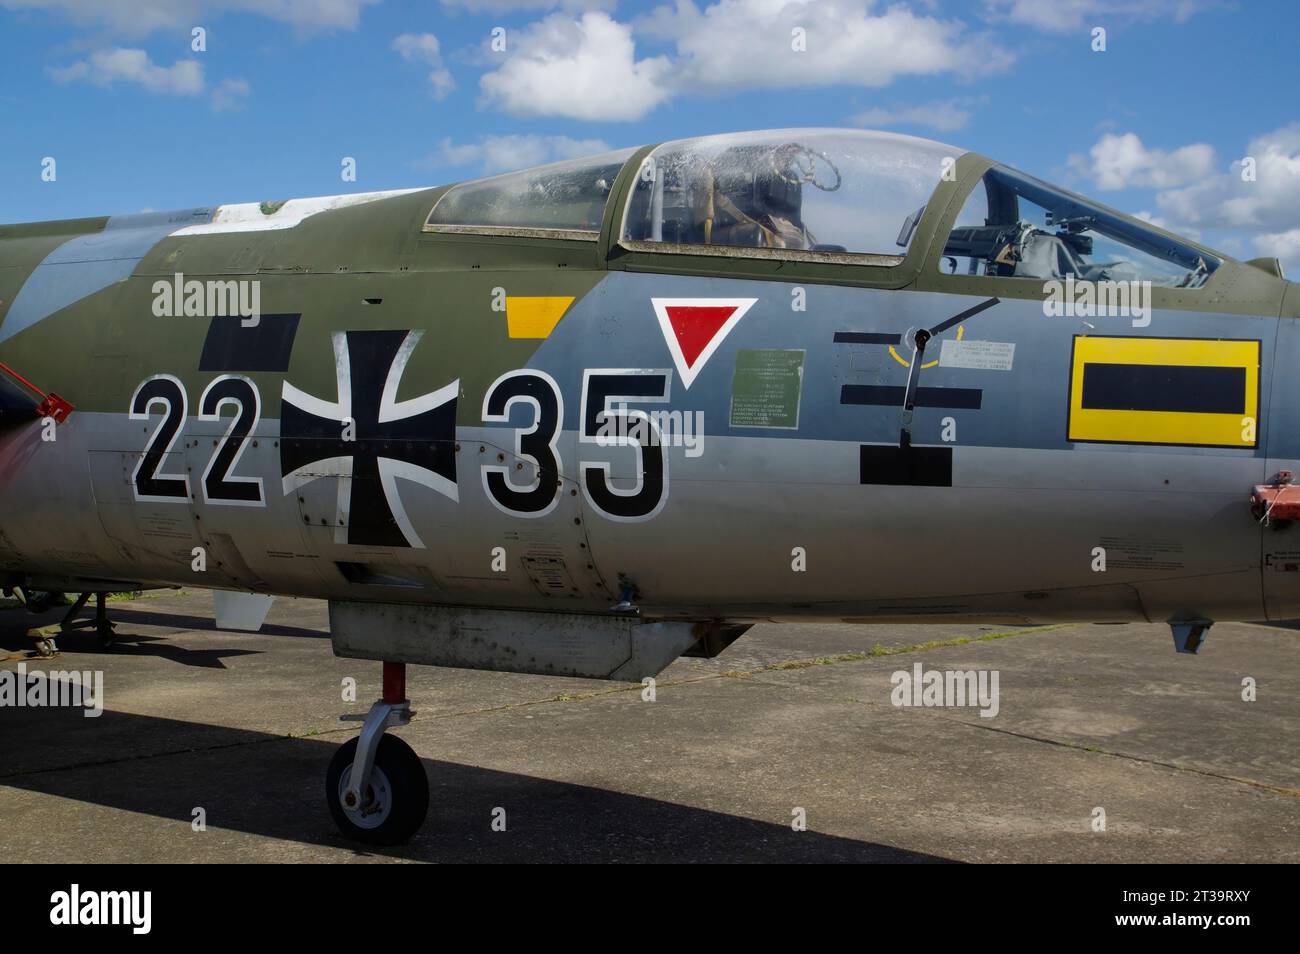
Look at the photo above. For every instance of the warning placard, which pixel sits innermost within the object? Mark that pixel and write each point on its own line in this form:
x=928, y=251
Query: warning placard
x=980, y=355
x=766, y=387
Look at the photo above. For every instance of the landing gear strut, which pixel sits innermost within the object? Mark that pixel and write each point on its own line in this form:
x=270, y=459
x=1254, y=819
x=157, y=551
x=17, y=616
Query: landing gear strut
x=375, y=786
x=45, y=635
x=102, y=625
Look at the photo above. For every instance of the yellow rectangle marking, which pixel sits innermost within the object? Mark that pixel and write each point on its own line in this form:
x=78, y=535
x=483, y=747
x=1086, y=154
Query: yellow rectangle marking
x=1195, y=429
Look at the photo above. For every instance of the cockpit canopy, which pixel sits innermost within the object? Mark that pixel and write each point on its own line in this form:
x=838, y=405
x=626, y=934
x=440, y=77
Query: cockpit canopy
x=823, y=194
x=830, y=191
x=1016, y=226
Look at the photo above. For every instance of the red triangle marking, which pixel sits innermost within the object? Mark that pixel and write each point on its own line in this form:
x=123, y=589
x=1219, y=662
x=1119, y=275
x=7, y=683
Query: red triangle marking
x=696, y=325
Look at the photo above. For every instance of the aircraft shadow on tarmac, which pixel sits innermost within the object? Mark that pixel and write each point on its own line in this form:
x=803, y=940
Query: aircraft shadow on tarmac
x=183, y=622
x=270, y=786
x=125, y=643
x=15, y=624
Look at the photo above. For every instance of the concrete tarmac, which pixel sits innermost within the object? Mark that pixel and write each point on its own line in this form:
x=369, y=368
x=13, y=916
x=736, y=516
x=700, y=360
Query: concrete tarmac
x=1093, y=723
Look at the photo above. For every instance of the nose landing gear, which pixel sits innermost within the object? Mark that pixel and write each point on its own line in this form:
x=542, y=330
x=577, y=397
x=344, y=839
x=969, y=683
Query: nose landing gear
x=375, y=785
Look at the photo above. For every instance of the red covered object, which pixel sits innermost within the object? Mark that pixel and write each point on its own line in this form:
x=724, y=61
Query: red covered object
x=1279, y=500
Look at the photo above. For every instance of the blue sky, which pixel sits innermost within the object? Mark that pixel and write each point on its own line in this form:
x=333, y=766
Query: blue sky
x=136, y=119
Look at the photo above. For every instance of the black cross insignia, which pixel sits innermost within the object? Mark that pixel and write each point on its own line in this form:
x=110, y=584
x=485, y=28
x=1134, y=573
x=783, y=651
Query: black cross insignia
x=412, y=440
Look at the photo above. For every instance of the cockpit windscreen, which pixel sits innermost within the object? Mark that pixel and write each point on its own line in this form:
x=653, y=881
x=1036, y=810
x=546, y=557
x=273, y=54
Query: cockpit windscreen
x=1016, y=226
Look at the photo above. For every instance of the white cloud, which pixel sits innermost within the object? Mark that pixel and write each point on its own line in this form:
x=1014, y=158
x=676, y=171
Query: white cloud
x=587, y=67
x=1160, y=222
x=1284, y=246
x=121, y=65
x=1270, y=203
x=418, y=47
x=944, y=115
x=1146, y=215
x=1059, y=16
x=1242, y=216
x=139, y=17
x=582, y=69
x=230, y=94
x=493, y=154
x=748, y=44
x=424, y=48
x=510, y=6
x=1122, y=161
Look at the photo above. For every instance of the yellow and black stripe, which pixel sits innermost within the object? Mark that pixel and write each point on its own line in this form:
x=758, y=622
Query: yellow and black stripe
x=1194, y=392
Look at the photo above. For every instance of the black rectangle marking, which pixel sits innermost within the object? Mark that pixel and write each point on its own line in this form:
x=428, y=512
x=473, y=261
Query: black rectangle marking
x=970, y=399
x=1164, y=387
x=907, y=466
x=266, y=346
x=866, y=337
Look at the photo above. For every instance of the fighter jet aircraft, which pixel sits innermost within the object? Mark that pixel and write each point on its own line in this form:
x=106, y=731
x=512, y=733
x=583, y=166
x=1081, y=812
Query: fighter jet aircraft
x=588, y=417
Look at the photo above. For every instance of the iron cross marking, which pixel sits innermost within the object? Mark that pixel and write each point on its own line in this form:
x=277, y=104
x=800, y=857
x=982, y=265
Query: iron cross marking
x=367, y=439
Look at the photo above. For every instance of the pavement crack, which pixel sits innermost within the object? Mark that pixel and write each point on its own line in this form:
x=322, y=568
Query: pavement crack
x=576, y=696
x=878, y=651
x=1205, y=773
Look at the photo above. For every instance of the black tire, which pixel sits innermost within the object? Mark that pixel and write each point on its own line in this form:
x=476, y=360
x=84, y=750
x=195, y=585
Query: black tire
x=399, y=771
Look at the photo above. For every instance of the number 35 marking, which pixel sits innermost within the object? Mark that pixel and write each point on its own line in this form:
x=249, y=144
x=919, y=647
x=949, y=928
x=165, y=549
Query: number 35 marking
x=601, y=424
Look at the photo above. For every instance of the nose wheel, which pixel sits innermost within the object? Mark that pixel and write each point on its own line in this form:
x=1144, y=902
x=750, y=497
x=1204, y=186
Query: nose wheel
x=391, y=806
x=375, y=785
